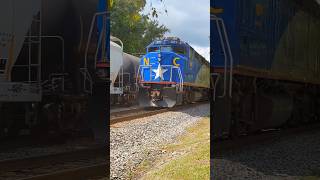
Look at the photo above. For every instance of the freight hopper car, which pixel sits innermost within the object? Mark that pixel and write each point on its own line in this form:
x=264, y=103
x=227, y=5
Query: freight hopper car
x=265, y=64
x=130, y=69
x=123, y=72
x=172, y=73
x=49, y=54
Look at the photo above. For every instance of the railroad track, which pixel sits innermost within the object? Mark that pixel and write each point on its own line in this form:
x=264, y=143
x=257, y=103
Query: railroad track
x=239, y=143
x=120, y=113
x=80, y=164
x=98, y=171
x=133, y=114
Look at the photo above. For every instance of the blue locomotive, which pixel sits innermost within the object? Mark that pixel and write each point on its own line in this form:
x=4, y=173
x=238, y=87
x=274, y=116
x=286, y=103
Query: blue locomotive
x=264, y=64
x=172, y=73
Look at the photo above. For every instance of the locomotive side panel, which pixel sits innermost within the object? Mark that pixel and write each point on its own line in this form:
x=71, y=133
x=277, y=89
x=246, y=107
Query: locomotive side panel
x=277, y=38
x=297, y=54
x=198, y=70
x=275, y=74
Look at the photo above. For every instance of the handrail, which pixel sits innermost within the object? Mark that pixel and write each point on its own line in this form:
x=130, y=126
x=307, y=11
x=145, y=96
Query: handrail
x=231, y=58
x=181, y=79
x=223, y=28
x=137, y=78
x=62, y=48
x=88, y=77
x=225, y=58
x=215, y=85
x=97, y=50
x=86, y=74
x=90, y=35
x=115, y=39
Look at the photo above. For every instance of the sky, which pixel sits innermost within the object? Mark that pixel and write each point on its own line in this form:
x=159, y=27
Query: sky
x=187, y=19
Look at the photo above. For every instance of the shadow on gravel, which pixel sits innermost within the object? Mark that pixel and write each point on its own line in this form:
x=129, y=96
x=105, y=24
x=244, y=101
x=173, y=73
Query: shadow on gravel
x=289, y=157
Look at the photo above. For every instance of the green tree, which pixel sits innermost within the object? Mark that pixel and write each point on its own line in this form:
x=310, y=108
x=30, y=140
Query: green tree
x=132, y=27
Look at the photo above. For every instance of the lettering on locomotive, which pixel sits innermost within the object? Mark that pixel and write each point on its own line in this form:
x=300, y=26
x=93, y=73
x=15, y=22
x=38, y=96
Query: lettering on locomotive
x=175, y=62
x=146, y=61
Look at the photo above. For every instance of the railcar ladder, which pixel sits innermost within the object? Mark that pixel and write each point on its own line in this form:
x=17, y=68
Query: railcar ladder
x=228, y=58
x=33, y=65
x=26, y=87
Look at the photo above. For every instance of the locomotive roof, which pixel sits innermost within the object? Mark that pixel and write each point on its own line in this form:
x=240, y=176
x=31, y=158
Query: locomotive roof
x=175, y=41
x=168, y=41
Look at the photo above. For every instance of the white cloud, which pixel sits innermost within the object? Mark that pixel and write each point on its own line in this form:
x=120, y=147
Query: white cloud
x=204, y=51
x=187, y=19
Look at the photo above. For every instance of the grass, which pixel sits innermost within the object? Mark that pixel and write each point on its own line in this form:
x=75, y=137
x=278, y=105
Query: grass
x=194, y=163
x=311, y=178
x=315, y=175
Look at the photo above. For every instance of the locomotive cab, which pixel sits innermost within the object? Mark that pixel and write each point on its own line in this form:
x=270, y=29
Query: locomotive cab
x=160, y=74
x=172, y=73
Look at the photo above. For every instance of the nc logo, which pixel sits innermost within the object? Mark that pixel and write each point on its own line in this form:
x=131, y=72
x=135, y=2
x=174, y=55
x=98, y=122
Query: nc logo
x=175, y=62
x=146, y=61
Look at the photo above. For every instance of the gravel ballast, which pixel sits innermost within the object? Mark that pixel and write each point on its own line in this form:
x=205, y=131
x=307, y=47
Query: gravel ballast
x=289, y=158
x=135, y=141
x=44, y=150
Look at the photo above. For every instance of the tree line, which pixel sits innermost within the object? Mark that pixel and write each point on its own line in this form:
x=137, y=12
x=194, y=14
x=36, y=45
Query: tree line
x=135, y=29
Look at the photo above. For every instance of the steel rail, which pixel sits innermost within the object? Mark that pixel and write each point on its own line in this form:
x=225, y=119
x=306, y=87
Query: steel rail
x=266, y=137
x=136, y=114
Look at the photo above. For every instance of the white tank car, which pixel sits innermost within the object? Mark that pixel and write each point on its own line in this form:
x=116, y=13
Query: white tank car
x=116, y=63
x=63, y=27
x=69, y=19
x=15, y=19
x=123, y=68
x=127, y=75
x=130, y=68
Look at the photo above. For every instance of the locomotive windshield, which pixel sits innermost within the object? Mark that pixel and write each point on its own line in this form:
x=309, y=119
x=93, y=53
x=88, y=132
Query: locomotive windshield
x=179, y=50
x=166, y=49
x=176, y=49
x=153, y=49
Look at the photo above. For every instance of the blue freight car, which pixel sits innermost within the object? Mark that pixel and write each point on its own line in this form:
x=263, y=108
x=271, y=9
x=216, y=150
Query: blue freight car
x=264, y=53
x=170, y=73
